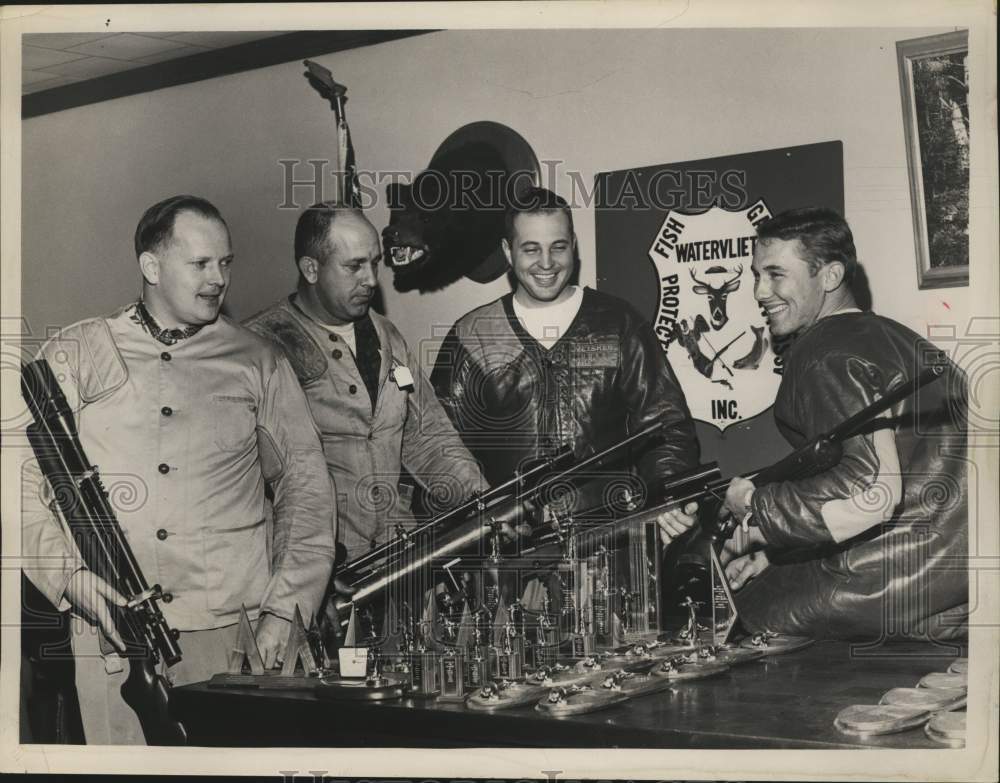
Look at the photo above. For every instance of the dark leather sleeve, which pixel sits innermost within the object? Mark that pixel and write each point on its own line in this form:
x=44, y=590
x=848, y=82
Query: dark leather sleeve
x=829, y=389
x=652, y=393
x=448, y=378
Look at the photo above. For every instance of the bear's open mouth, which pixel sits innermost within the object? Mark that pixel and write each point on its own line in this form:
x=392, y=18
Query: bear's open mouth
x=405, y=255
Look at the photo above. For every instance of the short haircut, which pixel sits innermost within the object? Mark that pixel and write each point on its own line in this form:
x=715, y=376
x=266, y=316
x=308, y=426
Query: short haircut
x=312, y=231
x=824, y=235
x=156, y=225
x=534, y=201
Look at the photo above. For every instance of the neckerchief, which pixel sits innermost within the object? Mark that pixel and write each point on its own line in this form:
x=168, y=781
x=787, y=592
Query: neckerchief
x=143, y=317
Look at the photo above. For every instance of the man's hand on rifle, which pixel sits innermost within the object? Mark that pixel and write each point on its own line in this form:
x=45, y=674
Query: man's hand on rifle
x=675, y=521
x=738, y=496
x=272, y=633
x=90, y=595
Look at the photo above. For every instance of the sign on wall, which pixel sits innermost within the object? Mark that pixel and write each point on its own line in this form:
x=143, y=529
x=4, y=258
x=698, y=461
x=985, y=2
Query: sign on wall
x=707, y=320
x=676, y=241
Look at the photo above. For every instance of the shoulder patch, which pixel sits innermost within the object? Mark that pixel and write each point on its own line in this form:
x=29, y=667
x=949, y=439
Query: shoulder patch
x=100, y=367
x=281, y=328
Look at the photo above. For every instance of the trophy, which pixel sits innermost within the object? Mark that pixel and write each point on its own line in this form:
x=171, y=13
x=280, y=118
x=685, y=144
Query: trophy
x=581, y=636
x=724, y=612
x=509, y=661
x=451, y=668
x=476, y=668
x=419, y=660
x=546, y=649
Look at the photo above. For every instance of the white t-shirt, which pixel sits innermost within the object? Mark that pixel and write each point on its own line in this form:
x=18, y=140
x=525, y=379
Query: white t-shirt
x=345, y=333
x=548, y=322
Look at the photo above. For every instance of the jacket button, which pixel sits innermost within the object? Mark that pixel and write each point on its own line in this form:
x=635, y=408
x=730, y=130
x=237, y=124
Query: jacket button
x=163, y=468
x=352, y=389
x=161, y=534
x=336, y=353
x=166, y=410
x=165, y=356
x=168, y=597
x=333, y=338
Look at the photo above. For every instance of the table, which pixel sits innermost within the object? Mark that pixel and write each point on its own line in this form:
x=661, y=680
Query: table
x=786, y=701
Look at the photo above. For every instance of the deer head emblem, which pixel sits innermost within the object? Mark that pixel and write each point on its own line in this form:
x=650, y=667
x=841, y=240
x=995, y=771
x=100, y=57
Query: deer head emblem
x=717, y=296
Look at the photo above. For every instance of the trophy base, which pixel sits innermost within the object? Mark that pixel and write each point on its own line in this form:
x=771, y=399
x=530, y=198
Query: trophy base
x=360, y=690
x=601, y=664
x=943, y=680
x=735, y=655
x=511, y=695
x=266, y=681
x=635, y=685
x=579, y=702
x=776, y=644
x=451, y=698
x=560, y=675
x=682, y=670
x=933, y=699
x=865, y=720
x=947, y=728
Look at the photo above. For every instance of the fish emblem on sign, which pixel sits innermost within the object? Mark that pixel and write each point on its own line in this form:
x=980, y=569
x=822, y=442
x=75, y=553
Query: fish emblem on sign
x=708, y=323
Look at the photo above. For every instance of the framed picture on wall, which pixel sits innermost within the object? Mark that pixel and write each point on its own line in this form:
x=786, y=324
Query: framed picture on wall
x=934, y=81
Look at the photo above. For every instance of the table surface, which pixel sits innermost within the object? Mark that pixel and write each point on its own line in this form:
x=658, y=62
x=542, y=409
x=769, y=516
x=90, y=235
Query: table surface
x=784, y=701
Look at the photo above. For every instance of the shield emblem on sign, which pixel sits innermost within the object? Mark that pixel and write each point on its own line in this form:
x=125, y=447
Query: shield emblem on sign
x=708, y=322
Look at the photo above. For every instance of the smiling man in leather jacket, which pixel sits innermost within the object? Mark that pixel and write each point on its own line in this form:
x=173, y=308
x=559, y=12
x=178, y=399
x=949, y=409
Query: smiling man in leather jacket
x=877, y=546
x=554, y=364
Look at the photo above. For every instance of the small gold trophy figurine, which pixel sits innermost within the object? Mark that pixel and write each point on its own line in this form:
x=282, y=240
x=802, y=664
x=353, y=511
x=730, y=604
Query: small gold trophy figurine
x=690, y=632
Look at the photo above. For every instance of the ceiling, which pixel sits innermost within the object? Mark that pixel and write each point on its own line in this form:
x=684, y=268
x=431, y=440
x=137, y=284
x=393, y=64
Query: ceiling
x=58, y=59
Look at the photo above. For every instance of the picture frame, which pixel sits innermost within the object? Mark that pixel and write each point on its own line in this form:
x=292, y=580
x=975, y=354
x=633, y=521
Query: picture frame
x=934, y=87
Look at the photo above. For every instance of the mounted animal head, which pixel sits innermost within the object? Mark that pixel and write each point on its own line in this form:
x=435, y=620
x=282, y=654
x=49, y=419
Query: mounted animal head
x=447, y=224
x=717, y=294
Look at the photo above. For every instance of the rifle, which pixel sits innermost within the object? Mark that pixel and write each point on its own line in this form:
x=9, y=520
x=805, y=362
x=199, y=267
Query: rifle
x=87, y=511
x=372, y=573
x=819, y=454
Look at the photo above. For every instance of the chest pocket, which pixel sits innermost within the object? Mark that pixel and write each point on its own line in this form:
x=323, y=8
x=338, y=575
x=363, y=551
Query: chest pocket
x=234, y=419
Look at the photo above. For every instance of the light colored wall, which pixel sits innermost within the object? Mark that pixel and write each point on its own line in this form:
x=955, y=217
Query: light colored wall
x=596, y=100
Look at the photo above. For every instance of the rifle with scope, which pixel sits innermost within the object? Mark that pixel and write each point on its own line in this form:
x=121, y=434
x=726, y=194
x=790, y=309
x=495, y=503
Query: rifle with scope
x=84, y=505
x=459, y=530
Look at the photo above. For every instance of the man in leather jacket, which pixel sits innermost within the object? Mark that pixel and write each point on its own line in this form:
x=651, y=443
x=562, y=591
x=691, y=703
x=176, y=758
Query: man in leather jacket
x=877, y=546
x=553, y=365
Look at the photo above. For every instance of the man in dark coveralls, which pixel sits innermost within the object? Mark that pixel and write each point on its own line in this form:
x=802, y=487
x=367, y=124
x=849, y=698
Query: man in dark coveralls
x=876, y=547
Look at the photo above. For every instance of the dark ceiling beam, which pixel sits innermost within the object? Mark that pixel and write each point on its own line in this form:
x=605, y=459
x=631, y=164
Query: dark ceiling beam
x=205, y=65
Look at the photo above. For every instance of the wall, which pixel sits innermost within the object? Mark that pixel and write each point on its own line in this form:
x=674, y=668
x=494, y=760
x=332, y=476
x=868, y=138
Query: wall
x=596, y=100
